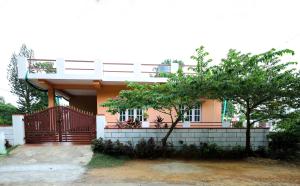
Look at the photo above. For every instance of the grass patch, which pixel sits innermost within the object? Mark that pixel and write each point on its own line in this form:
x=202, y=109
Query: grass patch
x=103, y=160
x=8, y=151
x=11, y=148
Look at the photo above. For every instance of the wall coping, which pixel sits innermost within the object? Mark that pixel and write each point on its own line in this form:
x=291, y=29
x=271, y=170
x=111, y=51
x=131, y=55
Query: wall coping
x=5, y=125
x=186, y=128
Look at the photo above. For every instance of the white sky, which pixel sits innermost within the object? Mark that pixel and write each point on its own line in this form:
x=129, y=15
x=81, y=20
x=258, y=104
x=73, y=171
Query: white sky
x=144, y=31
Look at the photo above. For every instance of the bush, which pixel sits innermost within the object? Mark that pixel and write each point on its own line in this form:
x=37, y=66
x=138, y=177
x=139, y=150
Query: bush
x=150, y=149
x=98, y=145
x=189, y=152
x=112, y=148
x=261, y=151
x=283, y=144
x=210, y=150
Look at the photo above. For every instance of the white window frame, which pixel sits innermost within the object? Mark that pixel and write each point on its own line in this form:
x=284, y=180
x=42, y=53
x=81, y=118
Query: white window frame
x=135, y=114
x=192, y=114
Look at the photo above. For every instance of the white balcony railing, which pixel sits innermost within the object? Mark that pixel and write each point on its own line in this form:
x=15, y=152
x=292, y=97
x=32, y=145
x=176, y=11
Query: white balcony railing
x=106, y=71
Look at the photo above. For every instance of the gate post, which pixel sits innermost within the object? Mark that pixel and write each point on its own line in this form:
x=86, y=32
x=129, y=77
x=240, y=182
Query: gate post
x=100, y=125
x=18, y=129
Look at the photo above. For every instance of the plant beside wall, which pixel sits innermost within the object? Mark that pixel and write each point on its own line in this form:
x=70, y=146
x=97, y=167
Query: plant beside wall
x=151, y=149
x=158, y=122
x=283, y=145
x=129, y=124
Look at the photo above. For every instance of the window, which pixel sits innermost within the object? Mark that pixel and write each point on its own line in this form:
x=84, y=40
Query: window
x=131, y=113
x=197, y=113
x=139, y=114
x=193, y=115
x=122, y=115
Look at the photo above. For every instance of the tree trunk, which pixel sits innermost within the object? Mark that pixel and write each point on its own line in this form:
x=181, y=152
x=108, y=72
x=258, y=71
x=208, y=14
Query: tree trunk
x=164, y=140
x=248, y=135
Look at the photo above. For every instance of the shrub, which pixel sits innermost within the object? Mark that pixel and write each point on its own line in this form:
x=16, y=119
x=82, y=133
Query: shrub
x=238, y=124
x=283, y=144
x=210, y=150
x=148, y=149
x=236, y=152
x=98, y=145
x=261, y=151
x=112, y=148
x=158, y=122
x=189, y=152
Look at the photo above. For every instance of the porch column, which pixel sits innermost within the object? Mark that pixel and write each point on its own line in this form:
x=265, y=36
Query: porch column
x=51, y=97
x=100, y=119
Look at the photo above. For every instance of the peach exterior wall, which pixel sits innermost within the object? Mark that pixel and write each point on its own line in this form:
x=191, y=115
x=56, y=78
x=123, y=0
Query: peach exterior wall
x=210, y=111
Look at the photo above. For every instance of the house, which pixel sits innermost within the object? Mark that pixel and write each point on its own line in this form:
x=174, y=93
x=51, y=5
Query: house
x=87, y=84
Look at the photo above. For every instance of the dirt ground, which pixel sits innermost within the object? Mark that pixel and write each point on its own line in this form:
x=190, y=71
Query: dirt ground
x=66, y=165
x=170, y=172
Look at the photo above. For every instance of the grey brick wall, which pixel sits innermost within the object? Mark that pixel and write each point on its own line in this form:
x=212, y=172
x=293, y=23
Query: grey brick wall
x=224, y=137
x=8, y=133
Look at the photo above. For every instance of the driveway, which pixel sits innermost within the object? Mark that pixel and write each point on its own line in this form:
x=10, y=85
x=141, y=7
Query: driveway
x=47, y=164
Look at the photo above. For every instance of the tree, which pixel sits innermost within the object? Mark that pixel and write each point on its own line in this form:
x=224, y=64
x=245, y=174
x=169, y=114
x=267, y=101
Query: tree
x=179, y=90
x=6, y=110
x=2, y=99
x=262, y=85
x=29, y=98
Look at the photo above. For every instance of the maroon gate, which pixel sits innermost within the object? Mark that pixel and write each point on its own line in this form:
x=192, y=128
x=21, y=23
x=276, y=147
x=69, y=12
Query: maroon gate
x=60, y=124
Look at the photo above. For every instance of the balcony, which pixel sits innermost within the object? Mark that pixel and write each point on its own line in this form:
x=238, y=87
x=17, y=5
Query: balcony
x=109, y=72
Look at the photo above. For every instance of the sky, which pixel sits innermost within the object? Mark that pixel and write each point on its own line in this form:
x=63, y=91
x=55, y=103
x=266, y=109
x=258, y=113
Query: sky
x=144, y=30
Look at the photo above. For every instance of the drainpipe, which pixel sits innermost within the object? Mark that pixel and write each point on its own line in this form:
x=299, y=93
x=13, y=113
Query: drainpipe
x=224, y=110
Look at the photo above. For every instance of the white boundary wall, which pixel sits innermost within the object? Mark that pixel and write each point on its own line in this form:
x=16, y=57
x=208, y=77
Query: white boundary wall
x=224, y=137
x=15, y=134
x=8, y=133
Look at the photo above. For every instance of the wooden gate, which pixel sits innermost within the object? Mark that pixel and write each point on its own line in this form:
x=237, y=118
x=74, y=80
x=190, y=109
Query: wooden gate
x=60, y=124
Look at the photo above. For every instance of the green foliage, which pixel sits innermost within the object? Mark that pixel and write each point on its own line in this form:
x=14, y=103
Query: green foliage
x=2, y=99
x=238, y=124
x=283, y=144
x=262, y=85
x=29, y=98
x=151, y=149
x=112, y=148
x=202, y=62
x=290, y=123
x=6, y=111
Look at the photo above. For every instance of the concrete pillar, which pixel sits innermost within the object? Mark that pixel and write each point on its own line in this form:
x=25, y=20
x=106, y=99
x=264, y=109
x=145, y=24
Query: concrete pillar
x=18, y=129
x=99, y=69
x=100, y=109
x=51, y=97
x=137, y=69
x=60, y=67
x=100, y=125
